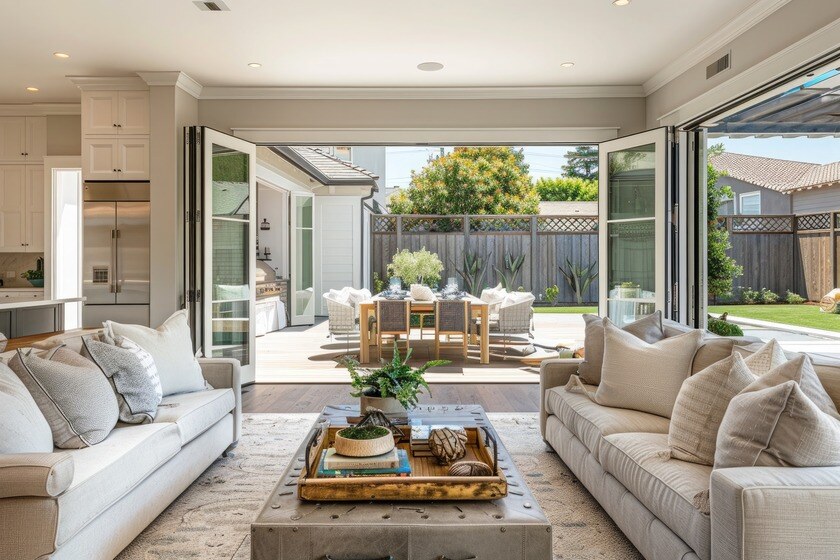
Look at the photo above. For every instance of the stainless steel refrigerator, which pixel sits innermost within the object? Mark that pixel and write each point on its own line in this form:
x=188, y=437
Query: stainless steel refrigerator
x=116, y=253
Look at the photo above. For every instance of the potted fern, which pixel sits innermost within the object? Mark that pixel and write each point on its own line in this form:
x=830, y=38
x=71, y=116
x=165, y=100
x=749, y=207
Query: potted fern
x=393, y=388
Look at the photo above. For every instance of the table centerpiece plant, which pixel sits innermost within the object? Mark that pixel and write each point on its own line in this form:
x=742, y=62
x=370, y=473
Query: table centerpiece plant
x=393, y=388
x=418, y=267
x=35, y=277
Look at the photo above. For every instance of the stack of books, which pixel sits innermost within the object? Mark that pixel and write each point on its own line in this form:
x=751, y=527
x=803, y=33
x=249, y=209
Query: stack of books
x=420, y=437
x=393, y=463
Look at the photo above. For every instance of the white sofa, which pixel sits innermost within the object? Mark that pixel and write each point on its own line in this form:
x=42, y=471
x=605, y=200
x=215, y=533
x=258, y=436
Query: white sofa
x=90, y=503
x=622, y=457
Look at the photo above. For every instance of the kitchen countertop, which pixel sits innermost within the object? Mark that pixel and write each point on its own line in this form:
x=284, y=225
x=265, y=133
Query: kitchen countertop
x=19, y=303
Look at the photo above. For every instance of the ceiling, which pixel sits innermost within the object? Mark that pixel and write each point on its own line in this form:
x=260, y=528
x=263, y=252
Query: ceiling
x=369, y=43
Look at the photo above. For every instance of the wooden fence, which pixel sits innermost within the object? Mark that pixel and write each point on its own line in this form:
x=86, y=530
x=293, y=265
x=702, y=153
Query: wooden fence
x=545, y=241
x=786, y=252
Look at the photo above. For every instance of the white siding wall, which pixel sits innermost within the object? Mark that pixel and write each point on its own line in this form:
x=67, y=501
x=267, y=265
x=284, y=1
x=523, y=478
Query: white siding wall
x=337, y=245
x=826, y=199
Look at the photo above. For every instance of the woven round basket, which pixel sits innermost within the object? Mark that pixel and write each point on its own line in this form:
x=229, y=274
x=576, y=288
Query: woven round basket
x=363, y=447
x=828, y=304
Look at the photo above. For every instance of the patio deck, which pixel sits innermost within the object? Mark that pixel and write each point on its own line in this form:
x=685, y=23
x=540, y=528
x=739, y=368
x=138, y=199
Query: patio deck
x=307, y=355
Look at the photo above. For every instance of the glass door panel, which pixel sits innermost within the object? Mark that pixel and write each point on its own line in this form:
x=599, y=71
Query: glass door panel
x=229, y=246
x=303, y=271
x=632, y=225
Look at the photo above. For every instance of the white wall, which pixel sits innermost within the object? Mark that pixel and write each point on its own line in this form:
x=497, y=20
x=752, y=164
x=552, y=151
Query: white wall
x=337, y=243
x=272, y=205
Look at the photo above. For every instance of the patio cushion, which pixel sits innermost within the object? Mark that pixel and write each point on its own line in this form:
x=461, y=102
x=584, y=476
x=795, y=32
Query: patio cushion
x=666, y=486
x=193, y=413
x=494, y=297
x=590, y=422
x=107, y=471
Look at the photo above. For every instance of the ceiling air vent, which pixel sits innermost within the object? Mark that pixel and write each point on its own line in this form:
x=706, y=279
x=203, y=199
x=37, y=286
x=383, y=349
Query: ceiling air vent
x=211, y=6
x=719, y=65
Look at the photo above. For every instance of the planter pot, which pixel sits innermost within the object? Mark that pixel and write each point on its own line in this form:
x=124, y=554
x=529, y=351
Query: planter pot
x=627, y=293
x=363, y=447
x=388, y=406
x=37, y=282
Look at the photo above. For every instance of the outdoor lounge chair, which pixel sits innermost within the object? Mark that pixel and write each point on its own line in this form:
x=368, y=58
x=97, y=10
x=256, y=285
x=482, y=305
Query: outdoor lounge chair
x=341, y=316
x=516, y=316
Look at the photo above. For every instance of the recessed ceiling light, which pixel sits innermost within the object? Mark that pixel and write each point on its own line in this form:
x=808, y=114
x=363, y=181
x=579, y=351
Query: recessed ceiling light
x=254, y=64
x=61, y=55
x=621, y=2
x=567, y=65
x=32, y=89
x=430, y=66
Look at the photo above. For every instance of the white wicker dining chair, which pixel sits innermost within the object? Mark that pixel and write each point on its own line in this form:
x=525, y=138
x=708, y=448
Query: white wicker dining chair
x=514, y=318
x=341, y=317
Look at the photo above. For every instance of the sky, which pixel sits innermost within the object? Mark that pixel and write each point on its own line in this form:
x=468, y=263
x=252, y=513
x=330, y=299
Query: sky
x=545, y=161
x=811, y=150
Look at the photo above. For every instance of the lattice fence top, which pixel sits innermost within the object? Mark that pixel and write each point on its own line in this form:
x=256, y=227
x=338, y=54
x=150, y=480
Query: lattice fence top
x=563, y=224
x=432, y=225
x=384, y=224
x=499, y=224
x=813, y=221
x=408, y=224
x=762, y=224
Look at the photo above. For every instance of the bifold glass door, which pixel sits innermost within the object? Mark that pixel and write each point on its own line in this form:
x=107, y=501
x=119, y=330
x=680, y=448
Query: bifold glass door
x=302, y=275
x=633, y=237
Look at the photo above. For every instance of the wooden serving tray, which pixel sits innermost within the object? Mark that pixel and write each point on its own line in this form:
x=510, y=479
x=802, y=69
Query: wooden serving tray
x=428, y=480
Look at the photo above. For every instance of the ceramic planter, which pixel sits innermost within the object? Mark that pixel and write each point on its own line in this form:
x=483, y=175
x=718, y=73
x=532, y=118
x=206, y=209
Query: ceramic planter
x=389, y=405
x=363, y=447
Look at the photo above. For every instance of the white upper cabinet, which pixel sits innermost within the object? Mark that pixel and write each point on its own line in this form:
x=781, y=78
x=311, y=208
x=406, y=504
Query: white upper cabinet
x=22, y=223
x=23, y=139
x=133, y=159
x=116, y=159
x=34, y=200
x=109, y=113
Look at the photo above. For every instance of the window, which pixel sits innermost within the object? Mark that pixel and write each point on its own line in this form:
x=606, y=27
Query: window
x=343, y=152
x=750, y=203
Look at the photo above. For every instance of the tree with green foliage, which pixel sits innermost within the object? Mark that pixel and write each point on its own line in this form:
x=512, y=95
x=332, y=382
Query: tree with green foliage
x=722, y=269
x=566, y=188
x=582, y=162
x=470, y=180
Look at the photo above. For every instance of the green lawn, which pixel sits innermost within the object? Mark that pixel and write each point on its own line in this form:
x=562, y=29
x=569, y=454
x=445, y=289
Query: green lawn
x=578, y=309
x=799, y=315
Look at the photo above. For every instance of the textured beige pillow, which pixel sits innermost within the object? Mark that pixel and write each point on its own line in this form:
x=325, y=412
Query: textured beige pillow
x=765, y=358
x=647, y=328
x=776, y=426
x=643, y=376
x=700, y=407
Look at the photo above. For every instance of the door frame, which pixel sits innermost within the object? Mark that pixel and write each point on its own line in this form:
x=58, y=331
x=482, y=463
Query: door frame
x=294, y=318
x=51, y=165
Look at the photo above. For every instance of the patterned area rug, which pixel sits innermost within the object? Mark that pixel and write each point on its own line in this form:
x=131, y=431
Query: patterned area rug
x=211, y=519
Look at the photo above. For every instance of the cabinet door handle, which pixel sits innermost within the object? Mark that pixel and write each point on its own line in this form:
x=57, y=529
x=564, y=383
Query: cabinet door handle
x=119, y=126
x=115, y=124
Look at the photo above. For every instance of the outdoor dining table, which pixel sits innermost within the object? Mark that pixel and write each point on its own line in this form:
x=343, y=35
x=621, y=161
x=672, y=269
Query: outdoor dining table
x=478, y=310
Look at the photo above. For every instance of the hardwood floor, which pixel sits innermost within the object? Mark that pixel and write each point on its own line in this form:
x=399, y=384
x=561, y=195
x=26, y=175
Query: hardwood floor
x=507, y=397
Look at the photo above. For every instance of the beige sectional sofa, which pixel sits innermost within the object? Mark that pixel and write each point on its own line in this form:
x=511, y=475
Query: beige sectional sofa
x=90, y=503
x=622, y=457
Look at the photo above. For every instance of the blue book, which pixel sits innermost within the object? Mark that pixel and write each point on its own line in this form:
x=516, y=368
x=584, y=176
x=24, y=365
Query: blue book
x=404, y=468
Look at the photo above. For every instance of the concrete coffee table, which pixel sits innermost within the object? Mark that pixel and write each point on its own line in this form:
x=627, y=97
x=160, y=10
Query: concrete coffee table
x=511, y=528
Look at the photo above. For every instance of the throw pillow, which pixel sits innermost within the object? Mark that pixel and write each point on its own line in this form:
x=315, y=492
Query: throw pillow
x=494, y=297
x=777, y=426
x=22, y=425
x=170, y=345
x=71, y=392
x=136, y=384
x=765, y=358
x=513, y=298
x=700, y=406
x=643, y=376
x=647, y=328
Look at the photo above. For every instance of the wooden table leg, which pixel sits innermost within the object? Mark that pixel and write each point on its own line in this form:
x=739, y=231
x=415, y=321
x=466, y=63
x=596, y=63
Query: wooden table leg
x=364, y=335
x=485, y=335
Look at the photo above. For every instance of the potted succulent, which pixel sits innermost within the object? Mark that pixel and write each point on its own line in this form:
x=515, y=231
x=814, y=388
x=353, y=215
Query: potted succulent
x=392, y=388
x=364, y=441
x=627, y=290
x=35, y=277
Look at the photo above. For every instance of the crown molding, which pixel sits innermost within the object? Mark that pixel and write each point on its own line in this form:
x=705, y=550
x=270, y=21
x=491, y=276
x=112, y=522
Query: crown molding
x=173, y=78
x=747, y=19
x=39, y=109
x=108, y=83
x=540, y=92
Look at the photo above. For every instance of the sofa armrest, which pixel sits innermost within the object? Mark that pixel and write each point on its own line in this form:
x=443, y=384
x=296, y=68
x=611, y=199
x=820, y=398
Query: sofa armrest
x=43, y=475
x=554, y=373
x=775, y=512
x=225, y=373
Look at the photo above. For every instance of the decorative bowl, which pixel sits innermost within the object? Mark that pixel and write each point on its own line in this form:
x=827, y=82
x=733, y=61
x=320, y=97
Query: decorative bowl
x=364, y=447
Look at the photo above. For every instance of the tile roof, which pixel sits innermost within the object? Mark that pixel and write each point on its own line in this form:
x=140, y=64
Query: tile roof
x=327, y=168
x=777, y=174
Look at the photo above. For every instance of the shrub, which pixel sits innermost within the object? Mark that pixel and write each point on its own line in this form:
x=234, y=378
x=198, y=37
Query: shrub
x=566, y=188
x=724, y=328
x=768, y=296
x=418, y=267
x=750, y=296
x=794, y=299
x=552, y=293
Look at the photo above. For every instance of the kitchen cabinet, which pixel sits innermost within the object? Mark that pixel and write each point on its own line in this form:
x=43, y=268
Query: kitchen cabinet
x=20, y=293
x=116, y=159
x=22, y=208
x=23, y=139
x=115, y=113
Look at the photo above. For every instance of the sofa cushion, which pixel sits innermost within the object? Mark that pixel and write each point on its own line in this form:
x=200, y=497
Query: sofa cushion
x=590, y=422
x=711, y=351
x=666, y=486
x=22, y=424
x=106, y=472
x=74, y=396
x=193, y=413
x=644, y=376
x=647, y=328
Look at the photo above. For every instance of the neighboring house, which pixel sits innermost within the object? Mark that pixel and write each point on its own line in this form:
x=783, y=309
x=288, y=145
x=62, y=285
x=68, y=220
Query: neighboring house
x=776, y=186
x=569, y=208
x=332, y=249
x=370, y=158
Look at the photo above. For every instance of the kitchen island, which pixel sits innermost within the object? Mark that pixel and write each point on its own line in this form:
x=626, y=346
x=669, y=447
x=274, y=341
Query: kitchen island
x=27, y=316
